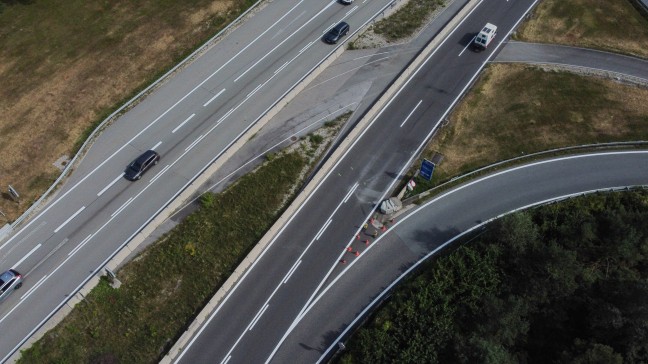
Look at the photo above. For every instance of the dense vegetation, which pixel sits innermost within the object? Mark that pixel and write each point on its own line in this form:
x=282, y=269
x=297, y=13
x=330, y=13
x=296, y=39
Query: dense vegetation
x=566, y=282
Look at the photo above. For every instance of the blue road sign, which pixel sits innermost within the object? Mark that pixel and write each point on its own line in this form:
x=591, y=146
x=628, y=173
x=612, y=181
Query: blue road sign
x=427, y=168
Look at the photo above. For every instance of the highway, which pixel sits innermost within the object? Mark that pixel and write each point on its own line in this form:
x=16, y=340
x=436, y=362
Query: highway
x=192, y=119
x=249, y=325
x=423, y=232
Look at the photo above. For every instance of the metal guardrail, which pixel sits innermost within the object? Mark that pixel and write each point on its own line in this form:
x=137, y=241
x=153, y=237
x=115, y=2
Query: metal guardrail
x=130, y=102
x=493, y=166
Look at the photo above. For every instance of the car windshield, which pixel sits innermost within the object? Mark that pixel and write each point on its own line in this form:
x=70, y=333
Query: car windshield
x=136, y=166
x=4, y=278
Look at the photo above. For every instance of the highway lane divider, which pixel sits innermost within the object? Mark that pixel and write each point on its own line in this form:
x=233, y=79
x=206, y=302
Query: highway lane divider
x=204, y=315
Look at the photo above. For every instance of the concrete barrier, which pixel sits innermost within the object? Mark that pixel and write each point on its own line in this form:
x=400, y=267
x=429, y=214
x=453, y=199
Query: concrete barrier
x=314, y=182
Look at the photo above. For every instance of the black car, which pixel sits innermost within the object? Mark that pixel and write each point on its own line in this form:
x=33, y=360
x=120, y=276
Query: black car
x=336, y=33
x=140, y=165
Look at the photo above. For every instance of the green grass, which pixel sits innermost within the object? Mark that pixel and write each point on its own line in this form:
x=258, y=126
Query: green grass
x=517, y=110
x=613, y=25
x=552, y=284
x=406, y=20
x=167, y=286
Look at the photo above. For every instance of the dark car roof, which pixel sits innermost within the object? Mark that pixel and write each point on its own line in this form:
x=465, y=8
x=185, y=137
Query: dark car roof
x=340, y=26
x=146, y=155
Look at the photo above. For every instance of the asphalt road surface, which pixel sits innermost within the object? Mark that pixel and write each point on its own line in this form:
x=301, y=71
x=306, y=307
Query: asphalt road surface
x=249, y=325
x=574, y=57
x=420, y=234
x=191, y=119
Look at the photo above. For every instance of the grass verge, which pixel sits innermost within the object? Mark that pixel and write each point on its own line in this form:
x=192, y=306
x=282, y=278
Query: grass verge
x=398, y=26
x=167, y=285
x=613, y=25
x=66, y=65
x=515, y=110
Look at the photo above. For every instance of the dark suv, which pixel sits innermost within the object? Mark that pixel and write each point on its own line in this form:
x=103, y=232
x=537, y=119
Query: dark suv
x=336, y=33
x=140, y=165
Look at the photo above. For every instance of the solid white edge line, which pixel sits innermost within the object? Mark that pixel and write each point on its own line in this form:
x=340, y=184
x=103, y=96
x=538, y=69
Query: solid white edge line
x=270, y=244
x=226, y=360
x=322, y=229
x=466, y=47
x=258, y=316
x=351, y=11
x=69, y=219
x=147, y=127
x=34, y=287
x=306, y=47
x=350, y=193
x=182, y=123
x=81, y=244
x=28, y=254
x=192, y=144
x=213, y=98
x=160, y=173
x=411, y=112
x=110, y=185
x=255, y=90
x=292, y=270
x=123, y=206
x=284, y=41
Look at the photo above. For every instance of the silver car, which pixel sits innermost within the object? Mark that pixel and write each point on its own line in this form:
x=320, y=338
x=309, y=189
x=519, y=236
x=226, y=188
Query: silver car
x=9, y=281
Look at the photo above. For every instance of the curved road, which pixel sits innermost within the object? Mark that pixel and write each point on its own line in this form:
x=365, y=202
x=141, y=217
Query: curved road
x=436, y=224
x=521, y=52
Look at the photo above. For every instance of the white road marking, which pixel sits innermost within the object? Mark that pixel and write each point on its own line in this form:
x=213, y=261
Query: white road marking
x=344, y=73
x=468, y=45
x=350, y=193
x=69, y=219
x=110, y=185
x=194, y=143
x=160, y=173
x=283, y=41
x=40, y=281
x=280, y=68
x=257, y=317
x=148, y=126
x=226, y=359
x=370, y=55
x=322, y=229
x=156, y=145
x=411, y=112
x=81, y=244
x=121, y=207
x=351, y=11
x=181, y=124
x=213, y=98
x=292, y=270
x=28, y=254
x=258, y=87
x=32, y=232
x=306, y=47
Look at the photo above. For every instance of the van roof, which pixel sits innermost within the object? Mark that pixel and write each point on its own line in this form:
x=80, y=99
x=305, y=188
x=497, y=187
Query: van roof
x=489, y=28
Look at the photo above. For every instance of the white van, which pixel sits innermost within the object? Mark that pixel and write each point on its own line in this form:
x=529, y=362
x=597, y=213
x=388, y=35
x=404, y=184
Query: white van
x=483, y=39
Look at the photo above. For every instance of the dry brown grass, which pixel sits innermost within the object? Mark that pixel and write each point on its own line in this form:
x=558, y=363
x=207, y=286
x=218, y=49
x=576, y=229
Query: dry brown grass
x=60, y=77
x=613, y=25
x=515, y=110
